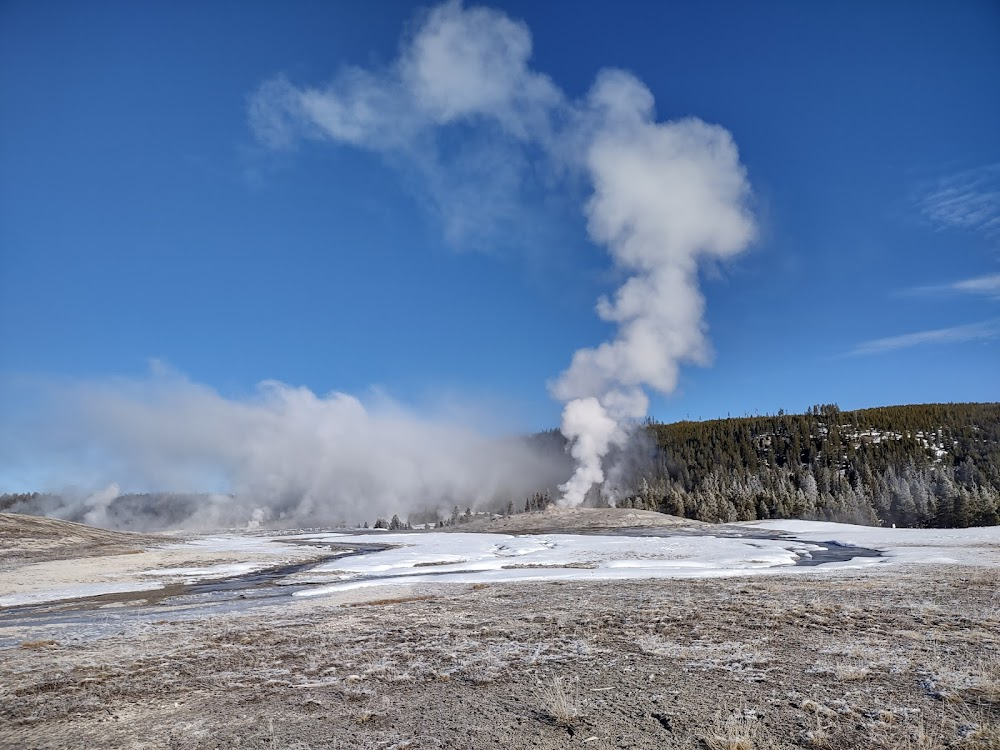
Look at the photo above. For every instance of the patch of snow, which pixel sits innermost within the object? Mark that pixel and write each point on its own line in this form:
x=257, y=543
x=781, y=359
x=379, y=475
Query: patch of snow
x=80, y=591
x=211, y=571
x=973, y=546
x=242, y=543
x=467, y=558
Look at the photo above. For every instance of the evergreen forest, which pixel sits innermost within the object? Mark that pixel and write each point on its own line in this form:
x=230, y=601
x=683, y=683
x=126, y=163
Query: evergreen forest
x=920, y=465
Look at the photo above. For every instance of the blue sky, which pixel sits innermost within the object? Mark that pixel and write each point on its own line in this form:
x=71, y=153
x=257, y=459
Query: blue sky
x=141, y=218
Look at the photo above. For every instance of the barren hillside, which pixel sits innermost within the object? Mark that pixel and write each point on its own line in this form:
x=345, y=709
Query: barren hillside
x=35, y=539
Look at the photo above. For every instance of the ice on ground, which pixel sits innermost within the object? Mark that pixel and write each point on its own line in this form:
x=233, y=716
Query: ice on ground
x=211, y=571
x=76, y=592
x=973, y=546
x=462, y=558
x=439, y=557
x=199, y=559
x=243, y=543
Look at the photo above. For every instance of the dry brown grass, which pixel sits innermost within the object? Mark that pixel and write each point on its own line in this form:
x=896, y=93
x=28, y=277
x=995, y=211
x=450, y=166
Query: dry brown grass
x=561, y=700
x=36, y=645
x=391, y=600
x=737, y=731
x=550, y=566
x=986, y=679
x=851, y=670
x=986, y=737
x=646, y=655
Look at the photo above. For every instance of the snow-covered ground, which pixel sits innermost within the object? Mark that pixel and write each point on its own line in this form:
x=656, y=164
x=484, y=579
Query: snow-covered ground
x=975, y=546
x=438, y=557
x=205, y=558
x=77, y=591
x=470, y=558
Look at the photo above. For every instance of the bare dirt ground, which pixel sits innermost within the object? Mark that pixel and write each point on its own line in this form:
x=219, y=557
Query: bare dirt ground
x=894, y=657
x=887, y=659
x=577, y=519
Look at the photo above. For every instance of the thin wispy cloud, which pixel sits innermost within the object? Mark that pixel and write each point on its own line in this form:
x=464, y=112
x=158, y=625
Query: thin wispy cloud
x=987, y=285
x=988, y=329
x=967, y=200
x=454, y=113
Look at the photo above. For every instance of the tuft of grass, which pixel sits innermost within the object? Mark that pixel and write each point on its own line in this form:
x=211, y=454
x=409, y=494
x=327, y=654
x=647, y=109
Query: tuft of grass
x=391, y=600
x=898, y=736
x=982, y=738
x=819, y=735
x=737, y=731
x=376, y=708
x=978, y=730
x=986, y=679
x=561, y=700
x=851, y=670
x=38, y=645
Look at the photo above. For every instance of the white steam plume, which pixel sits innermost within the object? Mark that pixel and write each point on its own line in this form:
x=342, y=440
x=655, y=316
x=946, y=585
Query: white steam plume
x=666, y=195
x=285, y=454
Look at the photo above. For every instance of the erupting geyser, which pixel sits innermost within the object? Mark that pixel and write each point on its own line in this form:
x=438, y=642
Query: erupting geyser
x=461, y=111
x=666, y=195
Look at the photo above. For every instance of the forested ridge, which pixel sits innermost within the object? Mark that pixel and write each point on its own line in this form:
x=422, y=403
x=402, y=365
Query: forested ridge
x=921, y=465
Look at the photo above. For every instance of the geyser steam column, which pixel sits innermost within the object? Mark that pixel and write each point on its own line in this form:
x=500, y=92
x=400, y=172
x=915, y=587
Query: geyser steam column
x=666, y=196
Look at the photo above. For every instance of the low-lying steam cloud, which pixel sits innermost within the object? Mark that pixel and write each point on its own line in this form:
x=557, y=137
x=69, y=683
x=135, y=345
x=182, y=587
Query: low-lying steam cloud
x=282, y=455
x=487, y=136
x=665, y=196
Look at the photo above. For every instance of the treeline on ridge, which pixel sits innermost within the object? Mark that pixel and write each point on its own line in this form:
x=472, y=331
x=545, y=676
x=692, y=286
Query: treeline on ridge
x=921, y=465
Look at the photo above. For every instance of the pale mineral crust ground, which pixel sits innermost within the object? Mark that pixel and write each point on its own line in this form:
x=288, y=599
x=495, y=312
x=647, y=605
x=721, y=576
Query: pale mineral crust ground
x=895, y=655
